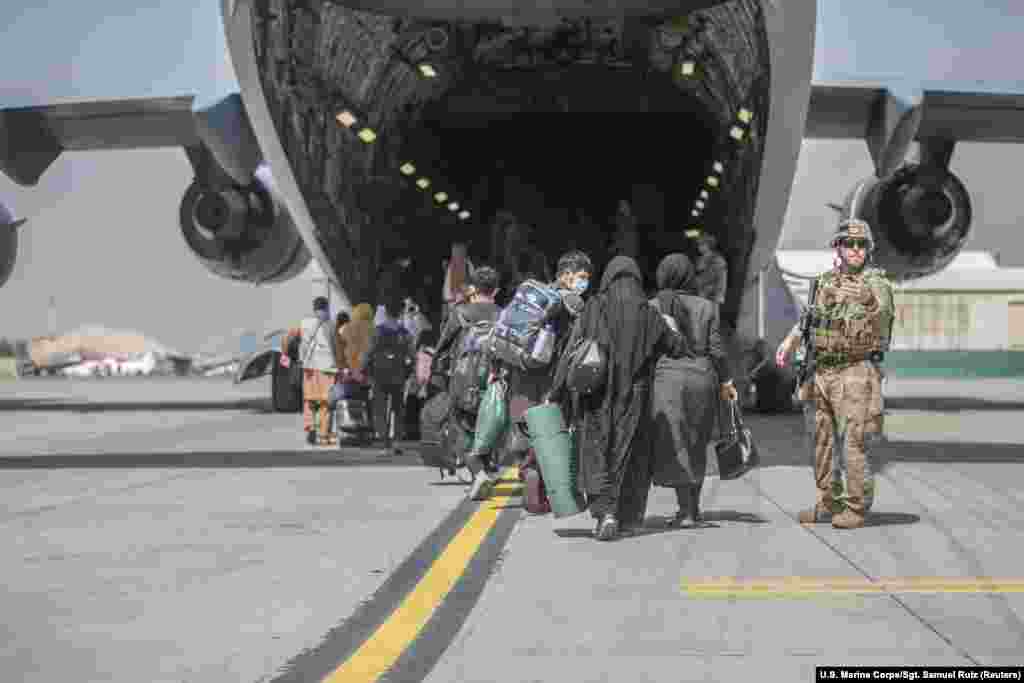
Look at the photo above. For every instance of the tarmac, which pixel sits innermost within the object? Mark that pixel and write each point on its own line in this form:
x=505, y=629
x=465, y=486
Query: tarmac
x=177, y=530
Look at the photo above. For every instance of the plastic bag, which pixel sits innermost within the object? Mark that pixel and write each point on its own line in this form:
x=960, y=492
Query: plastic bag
x=492, y=420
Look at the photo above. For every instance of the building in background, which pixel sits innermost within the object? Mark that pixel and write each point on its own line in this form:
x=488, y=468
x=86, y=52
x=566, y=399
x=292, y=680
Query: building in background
x=967, y=320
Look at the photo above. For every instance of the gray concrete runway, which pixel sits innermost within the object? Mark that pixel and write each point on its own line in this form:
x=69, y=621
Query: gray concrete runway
x=174, y=530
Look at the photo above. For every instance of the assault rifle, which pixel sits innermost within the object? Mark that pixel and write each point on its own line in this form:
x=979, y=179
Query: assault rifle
x=808, y=321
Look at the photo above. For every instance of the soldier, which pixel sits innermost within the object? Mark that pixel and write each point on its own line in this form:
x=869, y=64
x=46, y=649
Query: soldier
x=712, y=271
x=851, y=323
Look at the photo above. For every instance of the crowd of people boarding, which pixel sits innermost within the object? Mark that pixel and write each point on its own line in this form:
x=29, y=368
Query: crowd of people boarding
x=662, y=371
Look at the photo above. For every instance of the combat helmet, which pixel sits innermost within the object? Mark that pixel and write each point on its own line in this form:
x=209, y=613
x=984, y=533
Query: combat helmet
x=855, y=228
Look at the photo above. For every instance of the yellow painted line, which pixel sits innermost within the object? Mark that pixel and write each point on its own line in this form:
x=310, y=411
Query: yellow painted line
x=798, y=586
x=382, y=649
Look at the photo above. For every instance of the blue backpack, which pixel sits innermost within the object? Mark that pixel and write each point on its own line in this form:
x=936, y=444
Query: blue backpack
x=519, y=338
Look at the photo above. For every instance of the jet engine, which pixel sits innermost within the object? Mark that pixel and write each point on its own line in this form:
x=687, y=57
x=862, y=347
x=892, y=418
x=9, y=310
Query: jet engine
x=243, y=233
x=920, y=218
x=8, y=243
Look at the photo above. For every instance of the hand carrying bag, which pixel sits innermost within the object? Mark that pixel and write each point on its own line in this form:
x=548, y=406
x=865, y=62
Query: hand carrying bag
x=737, y=453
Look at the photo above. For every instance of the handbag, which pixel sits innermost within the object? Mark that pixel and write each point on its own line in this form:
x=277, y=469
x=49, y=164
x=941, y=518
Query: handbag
x=737, y=453
x=352, y=417
x=588, y=367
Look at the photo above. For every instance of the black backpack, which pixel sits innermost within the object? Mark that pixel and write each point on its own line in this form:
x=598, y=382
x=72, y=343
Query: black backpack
x=470, y=365
x=391, y=362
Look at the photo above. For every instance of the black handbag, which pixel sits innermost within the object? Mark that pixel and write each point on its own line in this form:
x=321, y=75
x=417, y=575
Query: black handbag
x=352, y=417
x=588, y=366
x=737, y=453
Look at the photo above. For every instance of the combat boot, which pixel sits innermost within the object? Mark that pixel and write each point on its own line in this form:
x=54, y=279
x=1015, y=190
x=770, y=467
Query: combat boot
x=819, y=514
x=848, y=519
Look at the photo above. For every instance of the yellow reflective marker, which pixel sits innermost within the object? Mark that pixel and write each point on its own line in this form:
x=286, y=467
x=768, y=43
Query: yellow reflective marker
x=380, y=652
x=367, y=135
x=427, y=70
x=423, y=183
x=693, y=234
x=687, y=68
x=737, y=133
x=712, y=181
x=745, y=115
x=441, y=197
x=408, y=169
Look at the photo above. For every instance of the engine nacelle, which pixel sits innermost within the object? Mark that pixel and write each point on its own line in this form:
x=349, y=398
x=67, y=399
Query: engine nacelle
x=920, y=219
x=242, y=233
x=8, y=243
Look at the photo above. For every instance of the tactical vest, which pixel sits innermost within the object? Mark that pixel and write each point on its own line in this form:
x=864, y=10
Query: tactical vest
x=844, y=330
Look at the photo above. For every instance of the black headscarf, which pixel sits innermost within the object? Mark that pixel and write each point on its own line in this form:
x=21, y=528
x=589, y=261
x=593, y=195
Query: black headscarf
x=621, y=319
x=676, y=273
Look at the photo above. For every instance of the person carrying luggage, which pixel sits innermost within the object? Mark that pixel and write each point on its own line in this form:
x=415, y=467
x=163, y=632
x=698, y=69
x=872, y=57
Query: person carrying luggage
x=352, y=423
x=684, y=400
x=613, y=424
x=317, y=352
x=464, y=342
x=532, y=333
x=388, y=363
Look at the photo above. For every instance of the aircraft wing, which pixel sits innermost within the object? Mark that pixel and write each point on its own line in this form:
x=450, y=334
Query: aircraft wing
x=31, y=138
x=891, y=116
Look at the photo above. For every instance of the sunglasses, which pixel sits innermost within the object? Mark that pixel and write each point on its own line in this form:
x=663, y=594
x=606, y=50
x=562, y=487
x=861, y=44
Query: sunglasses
x=855, y=244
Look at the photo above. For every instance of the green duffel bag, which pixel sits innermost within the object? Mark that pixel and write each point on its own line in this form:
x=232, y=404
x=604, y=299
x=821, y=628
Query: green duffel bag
x=492, y=419
x=556, y=455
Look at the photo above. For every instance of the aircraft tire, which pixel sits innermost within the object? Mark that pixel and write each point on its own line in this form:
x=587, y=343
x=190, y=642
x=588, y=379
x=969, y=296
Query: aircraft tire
x=283, y=396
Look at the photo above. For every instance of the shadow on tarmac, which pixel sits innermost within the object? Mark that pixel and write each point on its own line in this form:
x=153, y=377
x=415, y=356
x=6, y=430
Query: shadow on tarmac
x=890, y=518
x=328, y=457
x=949, y=404
x=782, y=442
x=257, y=405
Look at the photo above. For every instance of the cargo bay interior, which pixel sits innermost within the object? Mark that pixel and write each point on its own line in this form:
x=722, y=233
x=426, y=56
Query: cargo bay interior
x=554, y=119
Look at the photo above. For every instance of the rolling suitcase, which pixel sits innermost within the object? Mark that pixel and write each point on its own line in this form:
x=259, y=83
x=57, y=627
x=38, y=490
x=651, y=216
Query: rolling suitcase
x=352, y=421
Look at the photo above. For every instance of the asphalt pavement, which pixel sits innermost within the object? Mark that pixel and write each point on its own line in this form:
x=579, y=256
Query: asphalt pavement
x=177, y=530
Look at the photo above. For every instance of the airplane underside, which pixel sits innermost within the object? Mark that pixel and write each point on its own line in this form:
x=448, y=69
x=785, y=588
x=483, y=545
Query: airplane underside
x=552, y=119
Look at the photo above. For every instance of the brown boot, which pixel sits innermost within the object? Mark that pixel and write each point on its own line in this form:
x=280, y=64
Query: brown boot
x=819, y=514
x=848, y=519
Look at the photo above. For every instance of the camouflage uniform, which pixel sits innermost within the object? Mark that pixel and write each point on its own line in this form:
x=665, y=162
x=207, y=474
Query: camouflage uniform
x=849, y=335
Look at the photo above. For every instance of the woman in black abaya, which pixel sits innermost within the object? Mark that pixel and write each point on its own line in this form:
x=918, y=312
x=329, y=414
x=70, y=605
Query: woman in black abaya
x=613, y=426
x=687, y=390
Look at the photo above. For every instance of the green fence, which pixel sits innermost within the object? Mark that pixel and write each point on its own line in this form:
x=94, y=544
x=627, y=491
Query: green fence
x=955, y=363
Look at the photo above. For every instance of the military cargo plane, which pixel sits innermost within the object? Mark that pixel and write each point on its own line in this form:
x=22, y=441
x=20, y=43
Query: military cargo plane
x=360, y=124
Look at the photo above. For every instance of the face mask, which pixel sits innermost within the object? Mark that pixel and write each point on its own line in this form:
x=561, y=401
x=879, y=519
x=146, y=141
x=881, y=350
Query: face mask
x=581, y=285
